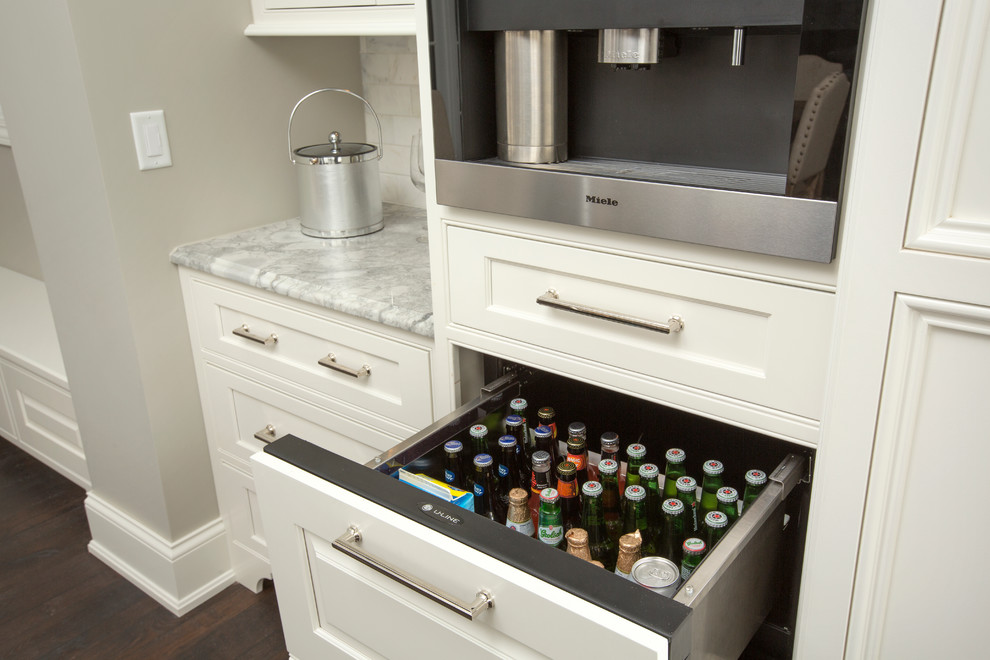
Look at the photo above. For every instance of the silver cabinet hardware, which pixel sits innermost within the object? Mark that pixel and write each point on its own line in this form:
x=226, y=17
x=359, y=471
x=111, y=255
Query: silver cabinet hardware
x=266, y=435
x=551, y=299
x=245, y=331
x=330, y=362
x=348, y=544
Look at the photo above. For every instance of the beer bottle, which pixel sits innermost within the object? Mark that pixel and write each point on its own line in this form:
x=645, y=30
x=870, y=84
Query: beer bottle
x=727, y=502
x=649, y=478
x=687, y=493
x=608, y=470
x=479, y=439
x=567, y=488
x=486, y=500
x=516, y=427
x=518, y=517
x=610, y=446
x=540, y=479
x=547, y=417
x=716, y=524
x=630, y=552
x=756, y=480
x=453, y=471
x=675, y=470
x=544, y=442
x=710, y=484
x=634, y=518
x=508, y=468
x=672, y=530
x=518, y=407
x=601, y=546
x=577, y=451
x=636, y=456
x=550, y=529
x=577, y=543
x=694, y=551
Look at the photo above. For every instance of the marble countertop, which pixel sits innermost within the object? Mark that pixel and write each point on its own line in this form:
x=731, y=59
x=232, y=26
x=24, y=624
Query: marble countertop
x=382, y=277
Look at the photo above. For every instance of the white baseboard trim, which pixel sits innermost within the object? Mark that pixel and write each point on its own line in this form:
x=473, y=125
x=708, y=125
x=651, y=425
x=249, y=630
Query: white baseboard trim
x=178, y=574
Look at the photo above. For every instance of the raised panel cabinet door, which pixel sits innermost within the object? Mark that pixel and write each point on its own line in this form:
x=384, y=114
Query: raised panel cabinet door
x=906, y=405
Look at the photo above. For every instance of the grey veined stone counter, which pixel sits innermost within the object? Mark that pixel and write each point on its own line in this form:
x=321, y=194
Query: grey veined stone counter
x=383, y=277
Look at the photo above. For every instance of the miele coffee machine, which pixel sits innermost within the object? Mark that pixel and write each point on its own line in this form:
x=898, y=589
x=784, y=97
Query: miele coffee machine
x=705, y=121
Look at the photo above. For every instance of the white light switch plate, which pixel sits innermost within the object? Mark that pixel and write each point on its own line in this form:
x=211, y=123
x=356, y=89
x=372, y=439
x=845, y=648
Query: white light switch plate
x=151, y=139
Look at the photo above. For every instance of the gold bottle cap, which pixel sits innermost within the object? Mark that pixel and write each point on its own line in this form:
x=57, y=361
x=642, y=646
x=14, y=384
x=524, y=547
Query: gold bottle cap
x=630, y=542
x=577, y=537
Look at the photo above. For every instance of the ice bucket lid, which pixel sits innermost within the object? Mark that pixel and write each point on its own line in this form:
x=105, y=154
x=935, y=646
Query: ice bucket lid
x=335, y=152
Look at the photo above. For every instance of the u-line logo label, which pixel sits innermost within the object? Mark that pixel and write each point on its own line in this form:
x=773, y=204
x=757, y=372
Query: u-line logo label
x=440, y=514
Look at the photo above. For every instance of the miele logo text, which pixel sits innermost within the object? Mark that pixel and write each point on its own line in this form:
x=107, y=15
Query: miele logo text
x=595, y=199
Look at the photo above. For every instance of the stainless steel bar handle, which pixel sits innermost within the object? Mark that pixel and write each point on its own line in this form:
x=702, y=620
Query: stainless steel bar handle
x=552, y=299
x=348, y=544
x=330, y=362
x=245, y=331
x=266, y=435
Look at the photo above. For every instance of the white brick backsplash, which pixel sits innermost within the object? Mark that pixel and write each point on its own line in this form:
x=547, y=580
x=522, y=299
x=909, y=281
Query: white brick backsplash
x=391, y=85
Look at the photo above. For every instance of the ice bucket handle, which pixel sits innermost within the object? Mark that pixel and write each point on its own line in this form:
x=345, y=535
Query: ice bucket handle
x=381, y=144
x=348, y=545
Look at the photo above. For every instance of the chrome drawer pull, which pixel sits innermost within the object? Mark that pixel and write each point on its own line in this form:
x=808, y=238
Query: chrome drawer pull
x=330, y=362
x=348, y=545
x=266, y=435
x=551, y=299
x=245, y=331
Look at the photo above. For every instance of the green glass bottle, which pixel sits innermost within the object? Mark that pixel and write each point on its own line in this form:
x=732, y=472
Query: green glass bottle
x=687, y=493
x=550, y=529
x=716, y=525
x=634, y=518
x=756, y=481
x=635, y=457
x=710, y=484
x=675, y=470
x=602, y=548
x=608, y=472
x=672, y=530
x=728, y=498
x=479, y=439
x=649, y=478
x=694, y=551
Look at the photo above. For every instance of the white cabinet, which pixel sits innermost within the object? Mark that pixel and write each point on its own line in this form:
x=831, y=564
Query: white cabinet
x=733, y=339
x=264, y=370
x=331, y=17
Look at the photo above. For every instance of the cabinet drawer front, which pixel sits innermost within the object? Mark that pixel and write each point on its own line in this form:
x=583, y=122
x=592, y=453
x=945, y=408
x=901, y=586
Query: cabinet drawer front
x=397, y=385
x=347, y=602
x=45, y=422
x=746, y=339
x=243, y=409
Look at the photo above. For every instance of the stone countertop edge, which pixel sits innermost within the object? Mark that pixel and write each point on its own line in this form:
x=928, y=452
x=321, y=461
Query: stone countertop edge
x=382, y=277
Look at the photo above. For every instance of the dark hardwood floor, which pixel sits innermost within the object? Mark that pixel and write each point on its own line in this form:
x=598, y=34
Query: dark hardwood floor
x=59, y=601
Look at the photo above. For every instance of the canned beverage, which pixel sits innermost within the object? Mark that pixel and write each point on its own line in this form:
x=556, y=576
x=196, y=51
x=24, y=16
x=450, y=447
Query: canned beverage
x=658, y=574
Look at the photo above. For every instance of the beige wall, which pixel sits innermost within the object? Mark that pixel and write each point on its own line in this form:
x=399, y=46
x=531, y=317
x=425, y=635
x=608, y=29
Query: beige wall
x=17, y=250
x=71, y=71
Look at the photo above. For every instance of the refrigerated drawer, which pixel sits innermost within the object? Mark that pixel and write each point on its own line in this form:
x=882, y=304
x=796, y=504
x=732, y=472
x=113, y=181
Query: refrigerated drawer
x=316, y=499
x=334, y=605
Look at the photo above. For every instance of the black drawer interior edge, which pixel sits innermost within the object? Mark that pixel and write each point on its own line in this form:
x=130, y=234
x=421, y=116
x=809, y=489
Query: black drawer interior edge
x=654, y=612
